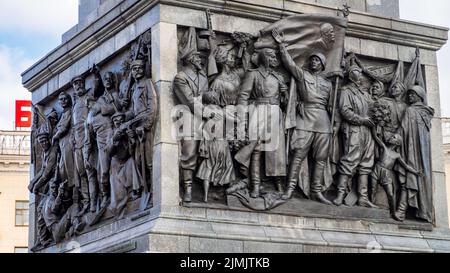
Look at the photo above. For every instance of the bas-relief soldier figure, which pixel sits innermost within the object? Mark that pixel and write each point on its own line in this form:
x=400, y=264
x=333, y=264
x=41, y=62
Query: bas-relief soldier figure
x=189, y=85
x=313, y=132
x=39, y=184
x=86, y=176
x=266, y=89
x=417, y=191
x=49, y=164
x=64, y=138
x=359, y=145
x=60, y=223
x=125, y=177
x=143, y=109
x=98, y=130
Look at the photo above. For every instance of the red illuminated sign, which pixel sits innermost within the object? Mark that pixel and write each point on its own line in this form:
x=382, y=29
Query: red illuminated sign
x=23, y=113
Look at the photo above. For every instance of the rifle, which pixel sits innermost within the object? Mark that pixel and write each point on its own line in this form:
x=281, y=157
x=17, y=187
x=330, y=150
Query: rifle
x=139, y=118
x=212, y=65
x=36, y=111
x=130, y=76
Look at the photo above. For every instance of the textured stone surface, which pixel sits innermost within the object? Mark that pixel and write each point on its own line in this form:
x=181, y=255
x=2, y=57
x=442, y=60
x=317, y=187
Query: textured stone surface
x=168, y=243
x=261, y=247
x=201, y=245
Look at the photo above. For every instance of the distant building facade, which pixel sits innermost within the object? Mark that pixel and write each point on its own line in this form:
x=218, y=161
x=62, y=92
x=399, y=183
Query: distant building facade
x=14, y=197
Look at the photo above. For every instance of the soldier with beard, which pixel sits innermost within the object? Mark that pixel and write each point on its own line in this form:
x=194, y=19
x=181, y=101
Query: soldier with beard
x=189, y=85
x=86, y=176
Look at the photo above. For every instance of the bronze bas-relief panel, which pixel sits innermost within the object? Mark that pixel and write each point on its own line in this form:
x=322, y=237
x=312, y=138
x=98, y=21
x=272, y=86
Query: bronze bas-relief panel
x=93, y=147
x=351, y=133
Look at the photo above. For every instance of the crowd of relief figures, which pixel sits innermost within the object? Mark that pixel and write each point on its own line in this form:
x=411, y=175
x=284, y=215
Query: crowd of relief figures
x=311, y=121
x=93, y=147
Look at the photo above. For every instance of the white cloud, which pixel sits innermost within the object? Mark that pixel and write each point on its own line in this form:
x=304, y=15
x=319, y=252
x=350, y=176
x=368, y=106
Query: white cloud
x=13, y=62
x=38, y=16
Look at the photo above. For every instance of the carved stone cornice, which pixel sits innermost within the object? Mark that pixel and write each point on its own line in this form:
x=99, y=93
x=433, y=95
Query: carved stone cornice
x=362, y=25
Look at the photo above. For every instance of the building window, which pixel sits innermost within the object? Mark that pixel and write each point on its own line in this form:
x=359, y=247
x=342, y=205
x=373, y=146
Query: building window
x=21, y=250
x=22, y=213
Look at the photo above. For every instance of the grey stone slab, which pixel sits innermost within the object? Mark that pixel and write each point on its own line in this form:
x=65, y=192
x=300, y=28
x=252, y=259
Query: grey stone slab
x=86, y=7
x=297, y=7
x=437, y=150
x=165, y=125
x=263, y=247
x=189, y=213
x=168, y=243
x=244, y=231
x=40, y=93
x=202, y=245
x=81, y=66
x=107, y=6
x=148, y=20
x=348, y=239
x=69, y=34
x=440, y=200
x=101, y=22
x=276, y=220
x=379, y=49
x=232, y=216
x=440, y=246
x=166, y=175
x=53, y=85
x=403, y=243
x=342, y=225
x=125, y=36
x=418, y=28
x=125, y=5
x=65, y=77
x=353, y=44
x=164, y=52
x=184, y=227
x=326, y=249
x=276, y=233
x=359, y=5
x=390, y=229
x=103, y=51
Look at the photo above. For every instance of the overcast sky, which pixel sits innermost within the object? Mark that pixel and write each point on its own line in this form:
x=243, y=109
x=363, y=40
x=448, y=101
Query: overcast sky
x=29, y=29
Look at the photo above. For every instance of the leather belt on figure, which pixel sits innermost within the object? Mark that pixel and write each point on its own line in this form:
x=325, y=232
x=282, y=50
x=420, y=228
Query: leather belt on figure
x=267, y=101
x=315, y=106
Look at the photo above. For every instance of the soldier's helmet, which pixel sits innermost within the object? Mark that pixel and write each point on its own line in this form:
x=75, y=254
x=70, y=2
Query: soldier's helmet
x=321, y=57
x=419, y=91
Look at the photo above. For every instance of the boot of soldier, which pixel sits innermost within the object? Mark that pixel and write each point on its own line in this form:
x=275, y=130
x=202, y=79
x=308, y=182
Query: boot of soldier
x=256, y=188
x=205, y=190
x=255, y=174
x=318, y=197
x=342, y=188
x=188, y=177
x=93, y=204
x=363, y=190
x=289, y=191
x=316, y=184
x=187, y=198
x=373, y=195
x=293, y=176
x=105, y=201
x=279, y=186
x=400, y=214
